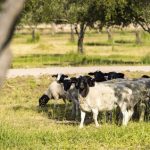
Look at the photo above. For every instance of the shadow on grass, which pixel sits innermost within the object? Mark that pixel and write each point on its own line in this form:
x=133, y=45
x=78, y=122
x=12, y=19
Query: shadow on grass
x=60, y=112
x=95, y=61
x=124, y=42
x=98, y=44
x=20, y=107
x=62, y=116
x=116, y=43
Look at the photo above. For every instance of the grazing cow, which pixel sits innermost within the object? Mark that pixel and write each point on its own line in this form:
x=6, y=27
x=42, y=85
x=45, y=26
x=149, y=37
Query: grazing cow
x=98, y=76
x=145, y=76
x=106, y=96
x=54, y=91
x=70, y=86
x=60, y=77
x=114, y=75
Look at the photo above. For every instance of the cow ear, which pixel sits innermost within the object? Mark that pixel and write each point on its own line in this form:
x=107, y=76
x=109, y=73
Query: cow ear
x=91, y=82
x=91, y=73
x=55, y=75
x=77, y=84
x=66, y=86
x=73, y=80
x=65, y=76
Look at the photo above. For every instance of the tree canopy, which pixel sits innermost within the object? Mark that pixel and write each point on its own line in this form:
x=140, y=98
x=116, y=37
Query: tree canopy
x=85, y=13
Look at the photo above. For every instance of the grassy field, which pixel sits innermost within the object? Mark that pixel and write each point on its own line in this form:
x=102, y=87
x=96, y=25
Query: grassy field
x=25, y=126
x=58, y=50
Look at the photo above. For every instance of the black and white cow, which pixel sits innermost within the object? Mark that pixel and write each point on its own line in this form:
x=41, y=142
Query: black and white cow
x=114, y=75
x=106, y=96
x=100, y=76
x=60, y=77
x=54, y=91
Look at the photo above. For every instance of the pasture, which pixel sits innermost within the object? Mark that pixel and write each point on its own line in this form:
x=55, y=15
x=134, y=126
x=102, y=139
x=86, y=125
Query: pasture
x=25, y=126
x=58, y=50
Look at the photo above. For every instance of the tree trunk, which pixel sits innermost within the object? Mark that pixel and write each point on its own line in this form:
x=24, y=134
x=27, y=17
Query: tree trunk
x=72, y=39
x=53, y=29
x=138, y=38
x=109, y=34
x=80, y=38
x=33, y=34
x=137, y=35
x=8, y=21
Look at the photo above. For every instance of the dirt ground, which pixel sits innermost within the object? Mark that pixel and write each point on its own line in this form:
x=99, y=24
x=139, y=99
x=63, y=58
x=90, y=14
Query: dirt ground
x=12, y=73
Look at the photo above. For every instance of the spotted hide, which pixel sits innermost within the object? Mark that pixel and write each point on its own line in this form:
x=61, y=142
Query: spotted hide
x=106, y=96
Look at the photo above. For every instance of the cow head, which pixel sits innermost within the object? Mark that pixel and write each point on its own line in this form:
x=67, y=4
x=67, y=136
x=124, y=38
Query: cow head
x=43, y=100
x=98, y=75
x=60, y=77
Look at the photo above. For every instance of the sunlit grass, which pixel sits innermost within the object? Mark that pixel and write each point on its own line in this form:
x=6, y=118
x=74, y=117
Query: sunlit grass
x=24, y=125
x=98, y=51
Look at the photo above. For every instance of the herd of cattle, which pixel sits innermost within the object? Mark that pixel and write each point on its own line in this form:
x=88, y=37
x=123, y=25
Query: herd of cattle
x=100, y=91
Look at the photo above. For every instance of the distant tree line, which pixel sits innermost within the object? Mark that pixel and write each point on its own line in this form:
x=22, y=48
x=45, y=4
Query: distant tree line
x=81, y=14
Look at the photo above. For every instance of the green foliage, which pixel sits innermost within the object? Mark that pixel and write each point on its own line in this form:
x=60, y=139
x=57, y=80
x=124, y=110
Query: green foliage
x=54, y=11
x=32, y=12
x=87, y=13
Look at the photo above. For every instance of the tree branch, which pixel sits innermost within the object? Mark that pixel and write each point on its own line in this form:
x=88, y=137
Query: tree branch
x=76, y=29
x=145, y=27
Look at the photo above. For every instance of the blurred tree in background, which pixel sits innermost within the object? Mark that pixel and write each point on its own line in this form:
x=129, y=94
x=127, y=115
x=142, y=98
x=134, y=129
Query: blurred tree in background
x=82, y=14
x=32, y=14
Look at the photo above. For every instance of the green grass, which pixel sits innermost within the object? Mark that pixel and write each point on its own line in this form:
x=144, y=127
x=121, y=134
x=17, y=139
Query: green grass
x=58, y=50
x=146, y=59
x=24, y=125
x=72, y=59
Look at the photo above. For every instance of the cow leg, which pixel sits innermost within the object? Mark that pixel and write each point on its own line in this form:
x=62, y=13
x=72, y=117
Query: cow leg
x=65, y=110
x=65, y=103
x=73, y=109
x=82, y=119
x=56, y=97
x=109, y=116
x=77, y=110
x=126, y=116
x=142, y=112
x=95, y=114
x=130, y=113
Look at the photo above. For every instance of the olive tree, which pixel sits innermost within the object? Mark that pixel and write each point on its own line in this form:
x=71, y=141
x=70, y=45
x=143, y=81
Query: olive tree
x=32, y=14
